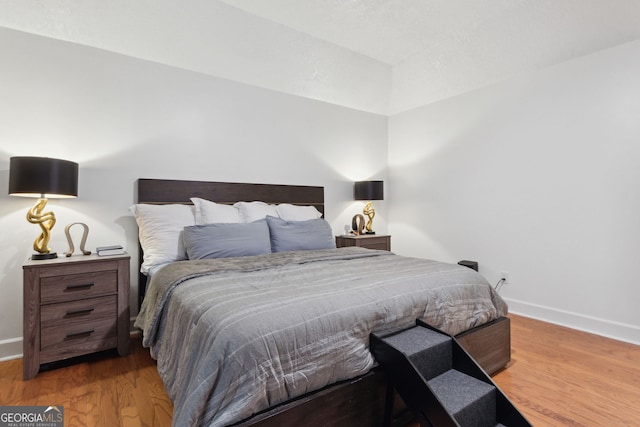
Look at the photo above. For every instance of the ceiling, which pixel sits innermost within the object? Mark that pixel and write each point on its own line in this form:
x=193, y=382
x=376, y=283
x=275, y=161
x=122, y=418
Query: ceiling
x=382, y=56
x=443, y=48
x=393, y=31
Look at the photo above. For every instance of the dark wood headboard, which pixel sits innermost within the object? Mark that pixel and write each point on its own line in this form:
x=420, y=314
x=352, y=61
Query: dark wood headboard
x=163, y=191
x=166, y=191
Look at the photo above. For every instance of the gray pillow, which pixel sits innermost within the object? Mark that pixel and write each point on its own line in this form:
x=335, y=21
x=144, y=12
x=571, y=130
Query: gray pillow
x=299, y=235
x=220, y=240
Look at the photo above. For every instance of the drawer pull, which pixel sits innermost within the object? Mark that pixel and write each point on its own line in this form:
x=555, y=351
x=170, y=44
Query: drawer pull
x=81, y=311
x=78, y=334
x=80, y=286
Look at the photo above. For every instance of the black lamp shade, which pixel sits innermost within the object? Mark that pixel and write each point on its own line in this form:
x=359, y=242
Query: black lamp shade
x=38, y=176
x=368, y=190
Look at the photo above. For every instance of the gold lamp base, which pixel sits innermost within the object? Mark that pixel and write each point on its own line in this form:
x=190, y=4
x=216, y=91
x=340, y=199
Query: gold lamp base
x=46, y=221
x=370, y=213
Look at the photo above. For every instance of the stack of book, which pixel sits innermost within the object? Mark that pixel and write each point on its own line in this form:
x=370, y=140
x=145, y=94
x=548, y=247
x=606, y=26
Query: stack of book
x=110, y=250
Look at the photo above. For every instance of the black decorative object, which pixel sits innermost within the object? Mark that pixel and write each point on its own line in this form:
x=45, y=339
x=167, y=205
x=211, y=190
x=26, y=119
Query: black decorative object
x=471, y=264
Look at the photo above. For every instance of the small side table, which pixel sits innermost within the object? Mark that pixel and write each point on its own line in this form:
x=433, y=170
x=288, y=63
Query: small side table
x=369, y=241
x=74, y=306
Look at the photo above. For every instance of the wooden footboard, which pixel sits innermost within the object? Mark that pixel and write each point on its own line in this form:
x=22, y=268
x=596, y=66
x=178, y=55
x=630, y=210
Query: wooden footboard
x=361, y=401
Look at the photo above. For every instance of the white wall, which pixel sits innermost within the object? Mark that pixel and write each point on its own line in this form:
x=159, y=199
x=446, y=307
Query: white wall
x=538, y=177
x=122, y=118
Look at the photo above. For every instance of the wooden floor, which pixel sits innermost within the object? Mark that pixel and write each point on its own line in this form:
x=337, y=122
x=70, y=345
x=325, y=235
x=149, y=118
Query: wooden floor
x=557, y=377
x=563, y=377
x=104, y=391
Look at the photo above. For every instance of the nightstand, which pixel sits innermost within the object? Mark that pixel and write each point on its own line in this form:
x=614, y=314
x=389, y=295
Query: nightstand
x=369, y=241
x=74, y=306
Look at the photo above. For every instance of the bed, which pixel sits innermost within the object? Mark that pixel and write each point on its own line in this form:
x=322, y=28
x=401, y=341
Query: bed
x=281, y=339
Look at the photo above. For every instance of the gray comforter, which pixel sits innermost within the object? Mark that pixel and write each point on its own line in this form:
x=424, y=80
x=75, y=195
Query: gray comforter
x=235, y=336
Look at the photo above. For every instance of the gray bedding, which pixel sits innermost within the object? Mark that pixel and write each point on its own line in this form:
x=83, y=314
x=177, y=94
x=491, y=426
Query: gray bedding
x=235, y=336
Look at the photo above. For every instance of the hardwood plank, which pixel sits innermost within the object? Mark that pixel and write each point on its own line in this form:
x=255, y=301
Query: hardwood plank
x=557, y=377
x=98, y=390
x=563, y=377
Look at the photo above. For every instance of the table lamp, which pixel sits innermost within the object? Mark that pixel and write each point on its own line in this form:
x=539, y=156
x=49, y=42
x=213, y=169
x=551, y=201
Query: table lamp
x=368, y=190
x=44, y=178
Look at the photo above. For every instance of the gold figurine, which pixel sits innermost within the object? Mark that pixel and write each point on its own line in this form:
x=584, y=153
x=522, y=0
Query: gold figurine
x=370, y=213
x=46, y=221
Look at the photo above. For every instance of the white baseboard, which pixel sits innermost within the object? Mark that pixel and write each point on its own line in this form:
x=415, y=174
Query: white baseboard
x=10, y=349
x=607, y=328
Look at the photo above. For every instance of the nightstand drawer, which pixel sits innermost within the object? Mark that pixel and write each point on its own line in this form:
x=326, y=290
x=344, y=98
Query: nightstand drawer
x=380, y=244
x=78, y=333
x=85, y=310
x=369, y=241
x=77, y=286
x=78, y=348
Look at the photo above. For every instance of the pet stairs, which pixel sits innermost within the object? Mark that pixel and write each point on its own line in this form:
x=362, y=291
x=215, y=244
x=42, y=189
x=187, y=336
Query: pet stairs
x=440, y=382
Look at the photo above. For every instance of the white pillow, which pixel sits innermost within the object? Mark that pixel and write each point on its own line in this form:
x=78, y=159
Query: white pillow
x=253, y=211
x=208, y=212
x=160, y=232
x=297, y=213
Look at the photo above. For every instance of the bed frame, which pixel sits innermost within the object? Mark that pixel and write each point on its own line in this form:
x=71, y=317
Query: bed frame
x=360, y=401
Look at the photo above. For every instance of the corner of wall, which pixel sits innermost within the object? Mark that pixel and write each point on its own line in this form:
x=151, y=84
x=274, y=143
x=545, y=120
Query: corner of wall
x=10, y=349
